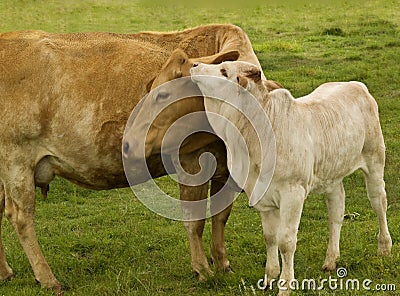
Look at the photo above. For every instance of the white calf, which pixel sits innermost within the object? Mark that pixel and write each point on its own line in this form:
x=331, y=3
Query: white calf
x=320, y=139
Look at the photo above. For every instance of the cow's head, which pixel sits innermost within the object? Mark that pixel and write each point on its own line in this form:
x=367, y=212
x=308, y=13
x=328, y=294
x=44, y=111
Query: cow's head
x=160, y=109
x=179, y=64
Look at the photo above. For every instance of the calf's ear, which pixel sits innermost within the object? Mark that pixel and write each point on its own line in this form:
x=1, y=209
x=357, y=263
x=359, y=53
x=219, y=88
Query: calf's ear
x=220, y=57
x=242, y=81
x=253, y=73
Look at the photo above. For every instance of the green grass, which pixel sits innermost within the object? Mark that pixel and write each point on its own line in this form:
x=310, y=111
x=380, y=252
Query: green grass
x=108, y=243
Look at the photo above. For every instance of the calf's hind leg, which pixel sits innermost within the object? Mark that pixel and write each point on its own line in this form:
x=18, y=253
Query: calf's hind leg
x=377, y=197
x=5, y=270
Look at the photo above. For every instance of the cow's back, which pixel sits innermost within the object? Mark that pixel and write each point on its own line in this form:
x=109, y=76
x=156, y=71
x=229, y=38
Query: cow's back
x=71, y=95
x=204, y=41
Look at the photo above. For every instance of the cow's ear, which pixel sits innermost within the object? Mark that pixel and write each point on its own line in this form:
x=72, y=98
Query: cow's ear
x=171, y=69
x=231, y=56
x=218, y=58
x=179, y=56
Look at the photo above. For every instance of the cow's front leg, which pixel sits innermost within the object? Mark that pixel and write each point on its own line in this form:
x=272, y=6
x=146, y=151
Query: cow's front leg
x=193, y=180
x=5, y=270
x=221, y=205
x=19, y=209
x=193, y=208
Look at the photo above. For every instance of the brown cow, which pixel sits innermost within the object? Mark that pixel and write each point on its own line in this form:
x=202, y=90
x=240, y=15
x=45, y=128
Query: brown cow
x=65, y=100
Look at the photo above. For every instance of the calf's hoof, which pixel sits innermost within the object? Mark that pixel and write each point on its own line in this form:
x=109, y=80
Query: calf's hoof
x=384, y=247
x=284, y=292
x=384, y=252
x=329, y=266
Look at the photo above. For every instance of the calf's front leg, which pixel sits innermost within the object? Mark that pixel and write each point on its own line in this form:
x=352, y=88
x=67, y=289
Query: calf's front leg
x=270, y=223
x=291, y=206
x=336, y=204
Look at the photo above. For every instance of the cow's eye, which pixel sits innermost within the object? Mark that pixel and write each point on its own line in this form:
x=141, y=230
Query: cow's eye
x=178, y=74
x=223, y=72
x=162, y=95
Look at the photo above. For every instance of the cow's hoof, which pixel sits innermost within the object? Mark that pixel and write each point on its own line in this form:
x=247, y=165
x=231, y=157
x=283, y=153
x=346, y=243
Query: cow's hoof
x=219, y=260
x=228, y=269
x=224, y=266
x=204, y=276
x=57, y=290
x=7, y=277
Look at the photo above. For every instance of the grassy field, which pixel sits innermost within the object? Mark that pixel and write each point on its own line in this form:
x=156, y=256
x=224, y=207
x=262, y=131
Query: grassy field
x=108, y=243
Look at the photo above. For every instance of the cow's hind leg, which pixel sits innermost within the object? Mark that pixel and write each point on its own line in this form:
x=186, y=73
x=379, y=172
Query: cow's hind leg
x=5, y=270
x=220, y=207
x=377, y=197
x=19, y=209
x=336, y=204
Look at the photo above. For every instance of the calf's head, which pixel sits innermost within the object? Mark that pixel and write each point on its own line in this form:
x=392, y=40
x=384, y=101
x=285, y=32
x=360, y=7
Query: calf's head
x=243, y=73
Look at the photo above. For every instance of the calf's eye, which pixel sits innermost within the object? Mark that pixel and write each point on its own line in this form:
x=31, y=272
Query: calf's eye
x=223, y=72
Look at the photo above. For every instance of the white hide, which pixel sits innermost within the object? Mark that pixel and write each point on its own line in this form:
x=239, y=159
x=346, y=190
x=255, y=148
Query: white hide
x=320, y=139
